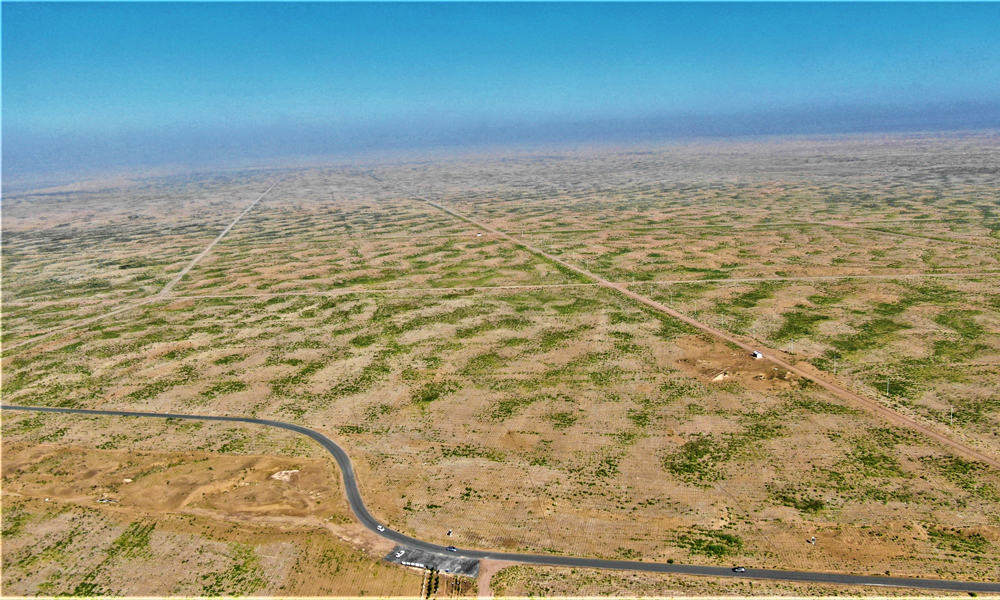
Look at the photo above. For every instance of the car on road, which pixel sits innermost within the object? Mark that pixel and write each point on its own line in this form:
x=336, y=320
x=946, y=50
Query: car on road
x=740, y=570
x=451, y=549
x=380, y=528
x=400, y=553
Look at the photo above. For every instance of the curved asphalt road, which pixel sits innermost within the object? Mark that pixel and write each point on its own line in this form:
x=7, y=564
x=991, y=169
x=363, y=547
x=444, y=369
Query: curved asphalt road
x=359, y=510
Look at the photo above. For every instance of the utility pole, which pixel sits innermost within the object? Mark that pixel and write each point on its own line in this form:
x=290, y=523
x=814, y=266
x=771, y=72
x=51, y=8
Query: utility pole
x=887, y=386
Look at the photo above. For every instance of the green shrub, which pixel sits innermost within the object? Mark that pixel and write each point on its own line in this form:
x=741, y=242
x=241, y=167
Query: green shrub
x=762, y=291
x=225, y=387
x=869, y=335
x=957, y=541
x=966, y=475
x=469, y=451
x=801, y=502
x=483, y=363
x=508, y=407
x=715, y=544
x=798, y=324
x=133, y=542
x=432, y=391
x=699, y=461
x=962, y=322
x=563, y=420
x=363, y=341
x=230, y=359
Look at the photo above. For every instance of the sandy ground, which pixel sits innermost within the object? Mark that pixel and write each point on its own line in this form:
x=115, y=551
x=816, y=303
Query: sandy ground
x=566, y=418
x=533, y=582
x=257, y=533
x=487, y=569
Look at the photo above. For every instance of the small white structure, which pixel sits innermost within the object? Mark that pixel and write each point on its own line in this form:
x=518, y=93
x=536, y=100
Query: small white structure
x=756, y=355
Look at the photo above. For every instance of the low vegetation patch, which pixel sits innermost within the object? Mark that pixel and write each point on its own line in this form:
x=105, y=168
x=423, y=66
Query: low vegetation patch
x=958, y=540
x=798, y=324
x=225, y=387
x=760, y=292
x=508, y=407
x=432, y=391
x=714, y=544
x=470, y=451
x=699, y=461
x=563, y=420
x=966, y=475
x=133, y=542
x=869, y=335
x=799, y=500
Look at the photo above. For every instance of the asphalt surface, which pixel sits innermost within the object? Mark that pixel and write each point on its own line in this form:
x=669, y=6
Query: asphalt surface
x=362, y=514
x=442, y=562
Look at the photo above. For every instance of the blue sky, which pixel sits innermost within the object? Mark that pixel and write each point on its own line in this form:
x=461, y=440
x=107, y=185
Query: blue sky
x=91, y=86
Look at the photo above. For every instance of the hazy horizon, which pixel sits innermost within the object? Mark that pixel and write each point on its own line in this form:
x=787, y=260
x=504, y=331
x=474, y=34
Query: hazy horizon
x=104, y=88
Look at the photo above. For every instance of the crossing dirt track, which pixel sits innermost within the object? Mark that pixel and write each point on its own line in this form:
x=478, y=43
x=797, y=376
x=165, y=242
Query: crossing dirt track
x=546, y=353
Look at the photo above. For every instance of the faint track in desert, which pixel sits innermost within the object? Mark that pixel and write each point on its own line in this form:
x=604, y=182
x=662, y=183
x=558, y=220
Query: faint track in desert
x=163, y=293
x=531, y=286
x=622, y=288
x=177, y=278
x=769, y=354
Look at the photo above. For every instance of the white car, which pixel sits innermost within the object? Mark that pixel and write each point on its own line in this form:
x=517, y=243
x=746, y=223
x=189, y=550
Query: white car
x=400, y=553
x=380, y=528
x=740, y=570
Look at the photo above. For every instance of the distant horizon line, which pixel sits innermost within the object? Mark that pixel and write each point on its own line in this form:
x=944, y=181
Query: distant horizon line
x=588, y=140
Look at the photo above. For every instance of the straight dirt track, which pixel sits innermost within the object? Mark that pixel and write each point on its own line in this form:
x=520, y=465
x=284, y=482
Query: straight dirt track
x=820, y=379
x=768, y=353
x=163, y=293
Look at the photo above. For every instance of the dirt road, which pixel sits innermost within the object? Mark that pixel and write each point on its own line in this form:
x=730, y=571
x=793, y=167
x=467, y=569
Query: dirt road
x=824, y=380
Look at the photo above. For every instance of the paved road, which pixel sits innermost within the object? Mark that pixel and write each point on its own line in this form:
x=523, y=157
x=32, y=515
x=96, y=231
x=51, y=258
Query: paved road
x=362, y=514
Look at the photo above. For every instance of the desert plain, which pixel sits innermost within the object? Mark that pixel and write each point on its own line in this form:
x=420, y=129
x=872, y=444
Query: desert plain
x=443, y=320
